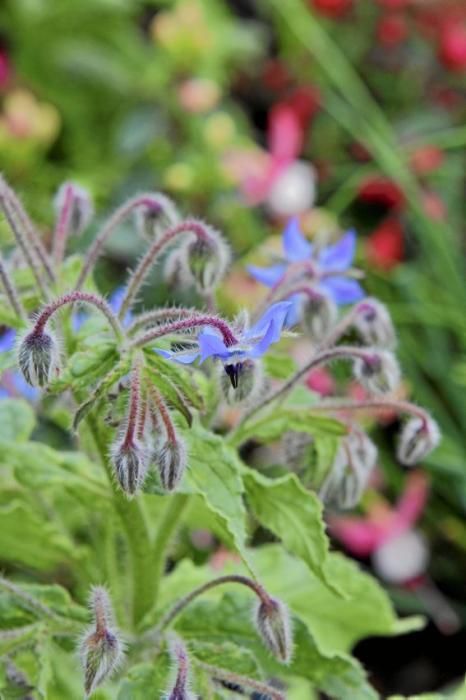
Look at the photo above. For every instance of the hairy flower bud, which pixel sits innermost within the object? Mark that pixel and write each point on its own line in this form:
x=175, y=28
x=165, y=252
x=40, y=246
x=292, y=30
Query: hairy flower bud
x=418, y=438
x=350, y=472
x=374, y=324
x=249, y=382
x=129, y=460
x=319, y=313
x=101, y=650
x=81, y=206
x=171, y=463
x=206, y=260
x=272, y=621
x=151, y=220
x=378, y=372
x=38, y=357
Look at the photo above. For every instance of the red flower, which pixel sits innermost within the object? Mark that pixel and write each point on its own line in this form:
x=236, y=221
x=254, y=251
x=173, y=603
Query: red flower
x=5, y=68
x=394, y=4
x=392, y=29
x=426, y=159
x=381, y=190
x=452, y=47
x=385, y=247
x=332, y=8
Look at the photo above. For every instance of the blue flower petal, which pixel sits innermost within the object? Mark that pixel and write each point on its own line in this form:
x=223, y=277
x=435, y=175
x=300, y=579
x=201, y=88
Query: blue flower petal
x=271, y=335
x=24, y=389
x=343, y=290
x=277, y=312
x=184, y=358
x=340, y=255
x=7, y=340
x=115, y=301
x=267, y=275
x=210, y=344
x=293, y=315
x=295, y=246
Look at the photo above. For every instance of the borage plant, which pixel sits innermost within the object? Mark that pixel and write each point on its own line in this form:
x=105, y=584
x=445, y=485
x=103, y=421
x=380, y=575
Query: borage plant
x=170, y=412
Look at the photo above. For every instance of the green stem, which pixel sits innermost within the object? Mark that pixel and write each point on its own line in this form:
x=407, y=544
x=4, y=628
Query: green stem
x=165, y=531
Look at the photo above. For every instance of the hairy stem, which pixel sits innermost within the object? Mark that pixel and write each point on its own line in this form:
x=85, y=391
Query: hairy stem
x=152, y=318
x=61, y=232
x=381, y=404
x=71, y=298
x=193, y=321
x=11, y=292
x=147, y=261
x=222, y=674
x=148, y=200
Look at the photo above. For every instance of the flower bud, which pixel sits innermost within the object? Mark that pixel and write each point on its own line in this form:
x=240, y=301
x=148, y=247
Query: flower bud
x=171, y=463
x=379, y=372
x=130, y=460
x=374, y=324
x=38, y=358
x=151, y=220
x=272, y=621
x=249, y=382
x=418, y=438
x=101, y=650
x=319, y=313
x=206, y=260
x=81, y=206
x=350, y=472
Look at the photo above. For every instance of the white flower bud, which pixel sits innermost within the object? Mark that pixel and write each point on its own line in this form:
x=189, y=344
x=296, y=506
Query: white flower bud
x=38, y=357
x=378, y=372
x=374, y=324
x=82, y=210
x=130, y=461
x=206, y=259
x=153, y=220
x=350, y=472
x=319, y=314
x=171, y=463
x=272, y=622
x=418, y=438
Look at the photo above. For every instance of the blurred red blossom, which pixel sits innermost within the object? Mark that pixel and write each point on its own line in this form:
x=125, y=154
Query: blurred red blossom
x=380, y=190
x=332, y=8
x=392, y=29
x=385, y=246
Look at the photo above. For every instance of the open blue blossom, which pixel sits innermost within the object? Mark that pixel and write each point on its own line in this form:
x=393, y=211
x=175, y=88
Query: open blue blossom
x=251, y=344
x=326, y=270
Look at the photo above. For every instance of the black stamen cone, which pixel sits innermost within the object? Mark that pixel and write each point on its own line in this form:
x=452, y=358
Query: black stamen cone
x=233, y=372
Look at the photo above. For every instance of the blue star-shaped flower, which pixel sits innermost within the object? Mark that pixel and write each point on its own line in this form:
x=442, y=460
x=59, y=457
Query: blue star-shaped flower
x=325, y=270
x=252, y=343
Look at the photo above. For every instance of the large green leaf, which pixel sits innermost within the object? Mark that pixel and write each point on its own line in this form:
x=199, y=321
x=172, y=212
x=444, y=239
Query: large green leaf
x=17, y=420
x=146, y=681
x=294, y=515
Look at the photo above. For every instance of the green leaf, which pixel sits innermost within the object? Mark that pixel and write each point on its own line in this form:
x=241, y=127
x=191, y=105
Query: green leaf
x=101, y=389
x=214, y=472
x=274, y=425
x=179, y=377
x=229, y=656
x=294, y=515
x=7, y=360
x=89, y=361
x=17, y=420
x=229, y=620
x=279, y=365
x=146, y=681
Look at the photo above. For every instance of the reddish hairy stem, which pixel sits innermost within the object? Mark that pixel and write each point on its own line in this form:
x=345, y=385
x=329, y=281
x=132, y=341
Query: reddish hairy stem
x=154, y=317
x=377, y=404
x=140, y=273
x=185, y=324
x=62, y=228
x=10, y=291
x=134, y=406
x=164, y=413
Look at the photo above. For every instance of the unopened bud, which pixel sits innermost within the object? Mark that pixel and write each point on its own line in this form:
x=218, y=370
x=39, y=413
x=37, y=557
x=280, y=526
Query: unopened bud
x=378, y=372
x=350, y=472
x=249, y=381
x=418, y=438
x=38, y=357
x=152, y=219
x=180, y=688
x=171, y=463
x=81, y=206
x=101, y=650
x=130, y=460
x=319, y=314
x=206, y=260
x=374, y=324
x=272, y=621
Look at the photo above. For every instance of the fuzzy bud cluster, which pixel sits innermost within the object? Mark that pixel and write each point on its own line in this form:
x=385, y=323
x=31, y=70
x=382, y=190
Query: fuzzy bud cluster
x=378, y=371
x=101, y=649
x=350, y=472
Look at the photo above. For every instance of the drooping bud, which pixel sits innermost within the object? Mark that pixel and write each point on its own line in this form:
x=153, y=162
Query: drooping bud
x=82, y=210
x=101, y=650
x=153, y=219
x=130, y=461
x=350, y=472
x=206, y=259
x=418, y=438
x=378, y=372
x=272, y=621
x=319, y=314
x=374, y=324
x=180, y=688
x=171, y=462
x=38, y=357
x=249, y=381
